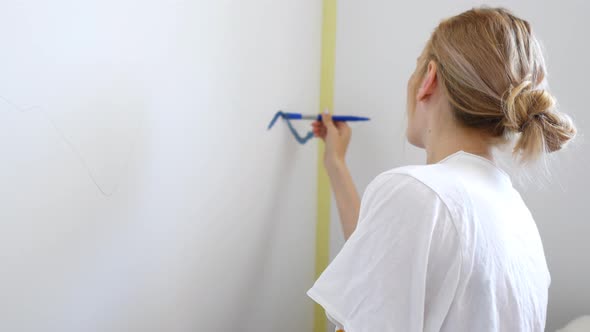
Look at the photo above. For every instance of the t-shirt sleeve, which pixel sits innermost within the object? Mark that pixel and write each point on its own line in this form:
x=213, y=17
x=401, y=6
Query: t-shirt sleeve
x=401, y=264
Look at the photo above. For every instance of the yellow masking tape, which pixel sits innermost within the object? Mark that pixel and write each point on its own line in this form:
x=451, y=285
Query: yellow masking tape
x=323, y=184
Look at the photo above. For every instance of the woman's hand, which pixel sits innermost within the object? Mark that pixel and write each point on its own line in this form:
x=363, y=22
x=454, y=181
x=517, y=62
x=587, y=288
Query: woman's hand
x=336, y=135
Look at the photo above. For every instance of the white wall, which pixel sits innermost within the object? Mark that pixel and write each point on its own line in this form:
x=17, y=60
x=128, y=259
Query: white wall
x=207, y=221
x=141, y=192
x=377, y=45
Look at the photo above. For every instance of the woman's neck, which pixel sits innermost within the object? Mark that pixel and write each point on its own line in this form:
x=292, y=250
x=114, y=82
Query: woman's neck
x=452, y=140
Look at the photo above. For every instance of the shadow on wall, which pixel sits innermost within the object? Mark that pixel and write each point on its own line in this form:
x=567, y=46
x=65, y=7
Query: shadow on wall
x=284, y=166
x=581, y=324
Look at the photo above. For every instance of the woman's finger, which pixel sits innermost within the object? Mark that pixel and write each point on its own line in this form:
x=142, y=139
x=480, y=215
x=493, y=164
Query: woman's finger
x=343, y=127
x=341, y=124
x=319, y=133
x=327, y=120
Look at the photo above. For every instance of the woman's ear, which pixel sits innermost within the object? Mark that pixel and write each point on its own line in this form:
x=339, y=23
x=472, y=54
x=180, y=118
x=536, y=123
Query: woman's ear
x=429, y=83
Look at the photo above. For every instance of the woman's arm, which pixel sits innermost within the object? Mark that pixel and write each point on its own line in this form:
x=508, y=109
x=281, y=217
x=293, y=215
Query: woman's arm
x=336, y=136
x=346, y=195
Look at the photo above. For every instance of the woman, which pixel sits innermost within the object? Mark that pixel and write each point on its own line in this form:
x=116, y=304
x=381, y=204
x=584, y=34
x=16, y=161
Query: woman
x=450, y=246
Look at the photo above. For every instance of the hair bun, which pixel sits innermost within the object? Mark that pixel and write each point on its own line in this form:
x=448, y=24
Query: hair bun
x=538, y=104
x=533, y=114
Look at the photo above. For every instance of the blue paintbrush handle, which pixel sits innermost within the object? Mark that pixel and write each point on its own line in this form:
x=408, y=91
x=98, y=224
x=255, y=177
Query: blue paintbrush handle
x=299, y=116
x=345, y=118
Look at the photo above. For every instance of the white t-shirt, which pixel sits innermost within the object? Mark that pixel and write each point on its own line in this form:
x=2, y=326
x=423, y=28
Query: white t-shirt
x=449, y=246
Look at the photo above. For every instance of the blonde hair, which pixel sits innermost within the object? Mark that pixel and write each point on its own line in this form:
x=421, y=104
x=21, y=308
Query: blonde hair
x=492, y=69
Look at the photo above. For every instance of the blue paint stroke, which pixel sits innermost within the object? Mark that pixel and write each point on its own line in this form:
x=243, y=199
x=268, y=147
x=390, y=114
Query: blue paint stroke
x=299, y=138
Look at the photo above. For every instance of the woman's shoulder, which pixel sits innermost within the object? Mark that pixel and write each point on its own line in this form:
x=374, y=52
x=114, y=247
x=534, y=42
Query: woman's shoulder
x=437, y=177
x=407, y=200
x=431, y=182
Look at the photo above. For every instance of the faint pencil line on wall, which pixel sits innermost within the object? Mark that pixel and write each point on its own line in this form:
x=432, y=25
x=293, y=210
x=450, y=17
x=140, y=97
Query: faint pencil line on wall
x=75, y=150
